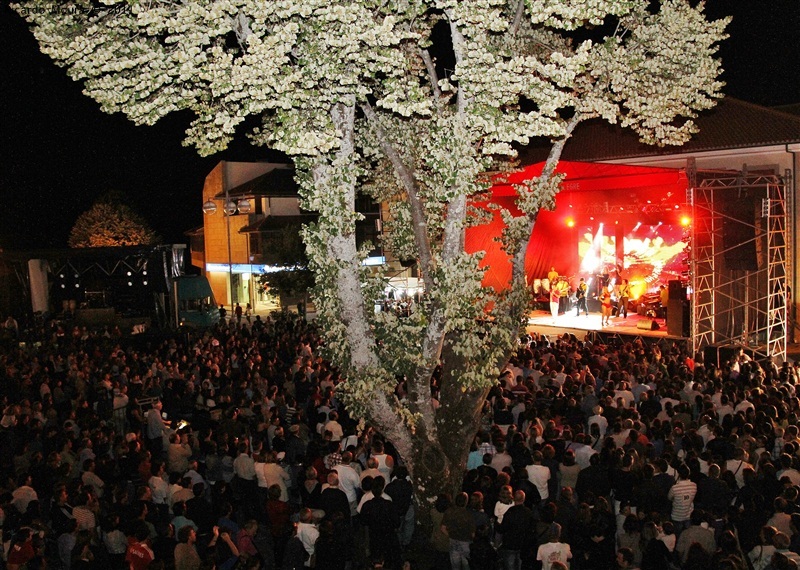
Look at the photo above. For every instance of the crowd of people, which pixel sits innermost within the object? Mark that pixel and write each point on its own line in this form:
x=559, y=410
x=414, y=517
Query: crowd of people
x=228, y=448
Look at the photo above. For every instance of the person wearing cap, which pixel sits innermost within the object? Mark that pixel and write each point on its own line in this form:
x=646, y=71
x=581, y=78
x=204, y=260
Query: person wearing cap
x=295, y=446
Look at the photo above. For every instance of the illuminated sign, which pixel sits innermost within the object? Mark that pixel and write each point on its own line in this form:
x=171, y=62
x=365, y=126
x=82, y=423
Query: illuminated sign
x=259, y=269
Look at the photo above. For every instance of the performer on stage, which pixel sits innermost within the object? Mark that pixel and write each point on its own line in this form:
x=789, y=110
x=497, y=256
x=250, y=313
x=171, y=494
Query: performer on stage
x=555, y=295
x=552, y=276
x=580, y=297
x=622, y=302
x=605, y=307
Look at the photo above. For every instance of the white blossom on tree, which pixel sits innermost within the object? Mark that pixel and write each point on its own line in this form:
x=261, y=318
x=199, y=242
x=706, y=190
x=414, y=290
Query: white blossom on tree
x=355, y=92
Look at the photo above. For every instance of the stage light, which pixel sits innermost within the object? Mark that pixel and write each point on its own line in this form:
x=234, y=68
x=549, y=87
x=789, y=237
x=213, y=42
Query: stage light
x=685, y=221
x=637, y=226
x=570, y=223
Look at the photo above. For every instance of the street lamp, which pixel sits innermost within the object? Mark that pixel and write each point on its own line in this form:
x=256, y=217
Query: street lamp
x=231, y=208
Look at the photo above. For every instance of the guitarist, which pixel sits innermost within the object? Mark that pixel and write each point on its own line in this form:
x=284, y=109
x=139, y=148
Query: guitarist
x=580, y=297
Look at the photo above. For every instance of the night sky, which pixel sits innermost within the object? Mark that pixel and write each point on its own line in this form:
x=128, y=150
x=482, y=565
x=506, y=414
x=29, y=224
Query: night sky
x=60, y=152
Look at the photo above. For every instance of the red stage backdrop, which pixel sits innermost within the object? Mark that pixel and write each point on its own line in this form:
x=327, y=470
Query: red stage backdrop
x=628, y=221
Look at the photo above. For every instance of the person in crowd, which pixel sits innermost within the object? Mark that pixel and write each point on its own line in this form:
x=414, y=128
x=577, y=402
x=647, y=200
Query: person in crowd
x=99, y=489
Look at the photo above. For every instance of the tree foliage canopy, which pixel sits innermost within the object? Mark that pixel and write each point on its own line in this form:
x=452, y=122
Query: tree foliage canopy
x=285, y=249
x=357, y=93
x=111, y=223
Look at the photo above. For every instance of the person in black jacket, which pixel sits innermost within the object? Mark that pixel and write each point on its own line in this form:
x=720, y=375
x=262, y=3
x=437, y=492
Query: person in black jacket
x=517, y=530
x=401, y=492
x=380, y=517
x=333, y=499
x=594, y=479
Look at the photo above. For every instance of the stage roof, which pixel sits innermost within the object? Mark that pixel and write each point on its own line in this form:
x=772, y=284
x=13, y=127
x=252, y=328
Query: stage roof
x=597, y=176
x=592, y=194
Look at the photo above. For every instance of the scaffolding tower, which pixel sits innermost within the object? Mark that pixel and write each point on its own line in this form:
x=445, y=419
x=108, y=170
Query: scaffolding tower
x=735, y=307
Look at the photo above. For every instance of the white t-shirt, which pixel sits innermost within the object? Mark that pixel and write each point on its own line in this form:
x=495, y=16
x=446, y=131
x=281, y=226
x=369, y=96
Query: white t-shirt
x=551, y=552
x=539, y=475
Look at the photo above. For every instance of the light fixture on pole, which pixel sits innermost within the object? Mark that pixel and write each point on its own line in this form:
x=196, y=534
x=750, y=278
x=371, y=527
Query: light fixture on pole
x=231, y=208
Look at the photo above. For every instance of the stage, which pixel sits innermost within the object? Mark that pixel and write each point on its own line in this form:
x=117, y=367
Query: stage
x=542, y=322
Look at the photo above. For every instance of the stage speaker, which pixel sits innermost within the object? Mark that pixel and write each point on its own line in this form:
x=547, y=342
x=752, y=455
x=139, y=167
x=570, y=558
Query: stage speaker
x=678, y=318
x=647, y=324
x=676, y=290
x=739, y=233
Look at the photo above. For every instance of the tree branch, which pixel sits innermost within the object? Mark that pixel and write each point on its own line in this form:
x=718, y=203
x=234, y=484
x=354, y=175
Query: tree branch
x=520, y=11
x=419, y=383
x=432, y=76
x=518, y=261
x=407, y=178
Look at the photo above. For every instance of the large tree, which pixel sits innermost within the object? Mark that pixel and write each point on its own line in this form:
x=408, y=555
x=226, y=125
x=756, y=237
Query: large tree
x=111, y=222
x=356, y=92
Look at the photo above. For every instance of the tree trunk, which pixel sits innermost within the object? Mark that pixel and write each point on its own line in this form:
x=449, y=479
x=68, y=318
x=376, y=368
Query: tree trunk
x=434, y=471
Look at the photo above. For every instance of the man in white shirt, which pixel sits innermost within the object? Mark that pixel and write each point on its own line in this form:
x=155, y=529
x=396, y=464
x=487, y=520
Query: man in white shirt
x=307, y=533
x=349, y=481
x=600, y=420
x=157, y=483
x=539, y=475
x=333, y=426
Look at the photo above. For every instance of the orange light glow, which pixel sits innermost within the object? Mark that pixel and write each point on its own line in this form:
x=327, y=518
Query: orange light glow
x=570, y=222
x=685, y=220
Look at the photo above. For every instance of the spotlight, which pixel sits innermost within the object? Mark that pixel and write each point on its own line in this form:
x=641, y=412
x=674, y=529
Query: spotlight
x=144, y=282
x=637, y=226
x=685, y=221
x=130, y=283
x=570, y=223
x=129, y=273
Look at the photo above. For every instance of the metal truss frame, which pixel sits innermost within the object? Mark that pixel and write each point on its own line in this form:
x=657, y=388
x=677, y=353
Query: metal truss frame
x=760, y=296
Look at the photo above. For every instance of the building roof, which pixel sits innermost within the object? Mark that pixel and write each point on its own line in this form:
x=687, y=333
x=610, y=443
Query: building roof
x=731, y=124
x=277, y=183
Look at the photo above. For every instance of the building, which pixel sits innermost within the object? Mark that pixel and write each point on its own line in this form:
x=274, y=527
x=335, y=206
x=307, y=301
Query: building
x=262, y=199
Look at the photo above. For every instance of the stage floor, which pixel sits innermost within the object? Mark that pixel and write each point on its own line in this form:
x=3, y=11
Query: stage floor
x=543, y=323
